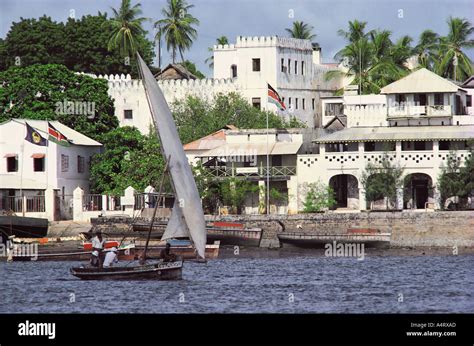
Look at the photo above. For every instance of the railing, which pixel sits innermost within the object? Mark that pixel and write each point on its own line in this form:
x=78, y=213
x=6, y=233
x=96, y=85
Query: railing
x=35, y=204
x=92, y=202
x=13, y=203
x=401, y=111
x=149, y=200
x=244, y=172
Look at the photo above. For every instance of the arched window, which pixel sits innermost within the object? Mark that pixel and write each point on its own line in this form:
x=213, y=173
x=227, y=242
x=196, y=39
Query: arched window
x=233, y=71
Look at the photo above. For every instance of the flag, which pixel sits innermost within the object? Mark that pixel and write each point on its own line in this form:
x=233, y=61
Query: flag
x=56, y=136
x=274, y=98
x=34, y=137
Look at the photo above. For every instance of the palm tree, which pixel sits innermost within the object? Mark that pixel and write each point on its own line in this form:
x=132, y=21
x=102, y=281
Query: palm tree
x=453, y=62
x=223, y=40
x=301, y=30
x=126, y=28
x=177, y=27
x=427, y=49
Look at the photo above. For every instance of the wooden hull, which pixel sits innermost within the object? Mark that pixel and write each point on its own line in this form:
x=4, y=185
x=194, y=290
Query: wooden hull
x=157, y=271
x=380, y=240
x=186, y=252
x=23, y=227
x=74, y=255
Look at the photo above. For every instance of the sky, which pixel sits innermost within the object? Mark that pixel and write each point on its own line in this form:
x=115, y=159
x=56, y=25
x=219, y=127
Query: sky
x=234, y=18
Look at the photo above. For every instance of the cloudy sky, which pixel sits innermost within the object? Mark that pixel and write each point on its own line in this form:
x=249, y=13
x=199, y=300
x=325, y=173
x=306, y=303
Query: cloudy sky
x=265, y=17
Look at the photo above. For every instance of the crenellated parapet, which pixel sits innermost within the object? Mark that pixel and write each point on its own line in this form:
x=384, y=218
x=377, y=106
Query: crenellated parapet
x=266, y=41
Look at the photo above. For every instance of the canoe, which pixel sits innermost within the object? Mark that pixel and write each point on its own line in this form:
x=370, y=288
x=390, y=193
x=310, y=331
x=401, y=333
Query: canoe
x=157, y=271
x=307, y=240
x=182, y=248
x=23, y=227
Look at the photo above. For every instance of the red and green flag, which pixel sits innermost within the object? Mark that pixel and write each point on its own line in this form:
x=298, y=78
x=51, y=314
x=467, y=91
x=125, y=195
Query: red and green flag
x=57, y=137
x=275, y=98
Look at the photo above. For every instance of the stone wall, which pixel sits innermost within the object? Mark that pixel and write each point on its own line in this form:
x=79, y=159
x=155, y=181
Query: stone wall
x=409, y=229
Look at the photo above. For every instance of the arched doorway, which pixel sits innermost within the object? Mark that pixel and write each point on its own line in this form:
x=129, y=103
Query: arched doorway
x=417, y=191
x=346, y=190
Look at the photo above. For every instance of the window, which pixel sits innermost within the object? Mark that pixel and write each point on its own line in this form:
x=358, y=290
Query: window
x=468, y=100
x=256, y=102
x=302, y=68
x=302, y=104
x=438, y=99
x=296, y=67
x=64, y=163
x=289, y=101
x=401, y=100
x=312, y=101
x=38, y=163
x=80, y=164
x=233, y=69
x=256, y=64
x=289, y=65
x=369, y=146
x=282, y=65
x=12, y=163
x=296, y=103
x=128, y=114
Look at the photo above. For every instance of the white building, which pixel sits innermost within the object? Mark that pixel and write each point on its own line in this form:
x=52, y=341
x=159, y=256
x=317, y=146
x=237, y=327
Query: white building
x=40, y=180
x=291, y=66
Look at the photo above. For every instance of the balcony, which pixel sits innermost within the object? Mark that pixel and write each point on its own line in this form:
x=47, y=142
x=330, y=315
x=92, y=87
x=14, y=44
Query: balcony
x=257, y=173
x=410, y=111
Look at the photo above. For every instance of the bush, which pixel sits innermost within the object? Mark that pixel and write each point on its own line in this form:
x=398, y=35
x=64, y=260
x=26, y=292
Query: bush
x=318, y=198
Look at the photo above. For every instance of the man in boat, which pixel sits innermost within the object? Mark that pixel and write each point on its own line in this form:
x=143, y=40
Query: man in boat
x=110, y=257
x=166, y=254
x=98, y=244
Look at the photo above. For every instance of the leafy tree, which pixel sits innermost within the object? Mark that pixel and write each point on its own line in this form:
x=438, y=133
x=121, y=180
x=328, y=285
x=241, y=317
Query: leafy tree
x=129, y=159
x=450, y=183
x=371, y=58
x=234, y=192
x=318, y=198
x=301, y=30
x=126, y=28
x=382, y=180
x=177, y=27
x=223, y=40
x=196, y=118
x=80, y=45
x=192, y=68
x=427, y=49
x=44, y=92
x=453, y=62
x=34, y=41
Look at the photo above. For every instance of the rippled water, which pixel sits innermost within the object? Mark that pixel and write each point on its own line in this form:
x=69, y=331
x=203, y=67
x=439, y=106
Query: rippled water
x=295, y=284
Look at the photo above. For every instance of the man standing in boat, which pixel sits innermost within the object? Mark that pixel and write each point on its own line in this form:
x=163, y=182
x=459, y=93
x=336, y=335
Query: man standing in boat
x=98, y=244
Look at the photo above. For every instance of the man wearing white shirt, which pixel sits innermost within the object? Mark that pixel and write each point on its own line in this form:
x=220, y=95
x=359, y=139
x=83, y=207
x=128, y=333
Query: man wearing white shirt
x=110, y=257
x=98, y=244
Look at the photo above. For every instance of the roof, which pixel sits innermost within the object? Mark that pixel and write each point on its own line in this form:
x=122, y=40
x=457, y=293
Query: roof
x=75, y=137
x=399, y=133
x=208, y=142
x=245, y=149
x=468, y=83
x=180, y=72
x=341, y=119
x=420, y=81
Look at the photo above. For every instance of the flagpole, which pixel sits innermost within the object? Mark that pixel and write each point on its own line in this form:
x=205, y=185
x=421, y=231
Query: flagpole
x=268, y=173
x=21, y=176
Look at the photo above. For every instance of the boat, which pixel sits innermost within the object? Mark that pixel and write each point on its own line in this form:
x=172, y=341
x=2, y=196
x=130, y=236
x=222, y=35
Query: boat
x=187, y=216
x=182, y=248
x=23, y=227
x=369, y=237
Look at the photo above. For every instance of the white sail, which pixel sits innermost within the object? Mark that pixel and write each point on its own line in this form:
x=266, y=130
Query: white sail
x=186, y=193
x=176, y=227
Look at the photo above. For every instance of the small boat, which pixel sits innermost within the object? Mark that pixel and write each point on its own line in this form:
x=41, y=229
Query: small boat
x=23, y=227
x=156, y=271
x=182, y=248
x=184, y=222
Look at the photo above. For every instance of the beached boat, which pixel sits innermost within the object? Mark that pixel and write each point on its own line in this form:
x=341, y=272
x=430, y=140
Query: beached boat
x=369, y=237
x=23, y=227
x=184, y=222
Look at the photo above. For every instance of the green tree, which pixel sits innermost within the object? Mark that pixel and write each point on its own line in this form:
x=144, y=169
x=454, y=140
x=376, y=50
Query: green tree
x=301, y=30
x=191, y=67
x=196, y=118
x=372, y=59
x=44, y=92
x=318, y=198
x=234, y=192
x=453, y=61
x=177, y=27
x=450, y=183
x=34, y=41
x=219, y=41
x=126, y=28
x=129, y=159
x=382, y=180
x=427, y=49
